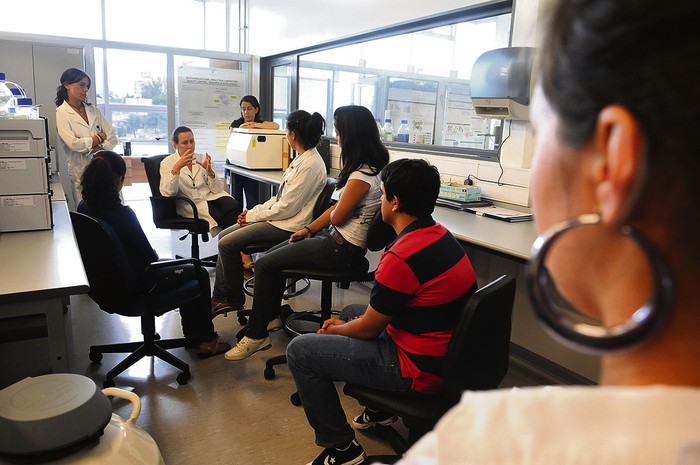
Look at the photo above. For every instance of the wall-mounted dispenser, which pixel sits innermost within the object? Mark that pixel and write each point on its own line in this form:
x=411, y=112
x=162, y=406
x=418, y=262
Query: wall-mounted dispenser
x=501, y=82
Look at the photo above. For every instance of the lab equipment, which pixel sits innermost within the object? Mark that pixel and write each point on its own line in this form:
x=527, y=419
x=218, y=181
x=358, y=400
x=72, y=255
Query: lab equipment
x=256, y=149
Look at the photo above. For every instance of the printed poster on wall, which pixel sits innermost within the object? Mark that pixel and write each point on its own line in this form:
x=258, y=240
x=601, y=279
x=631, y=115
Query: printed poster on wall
x=209, y=99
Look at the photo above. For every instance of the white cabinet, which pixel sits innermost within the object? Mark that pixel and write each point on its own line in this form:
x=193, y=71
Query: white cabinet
x=25, y=203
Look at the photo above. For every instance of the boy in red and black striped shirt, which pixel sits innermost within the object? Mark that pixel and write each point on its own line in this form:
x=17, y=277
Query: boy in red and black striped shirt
x=423, y=281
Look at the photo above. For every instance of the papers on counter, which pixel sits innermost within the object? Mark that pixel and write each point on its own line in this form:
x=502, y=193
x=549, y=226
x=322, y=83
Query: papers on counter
x=499, y=213
x=462, y=206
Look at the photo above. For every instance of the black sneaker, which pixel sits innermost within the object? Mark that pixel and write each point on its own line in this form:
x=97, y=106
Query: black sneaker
x=353, y=454
x=373, y=417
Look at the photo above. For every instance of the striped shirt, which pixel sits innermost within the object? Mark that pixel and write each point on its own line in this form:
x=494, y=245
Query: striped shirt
x=423, y=281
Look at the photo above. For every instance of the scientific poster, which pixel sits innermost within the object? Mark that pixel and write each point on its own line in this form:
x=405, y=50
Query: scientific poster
x=415, y=101
x=462, y=126
x=209, y=99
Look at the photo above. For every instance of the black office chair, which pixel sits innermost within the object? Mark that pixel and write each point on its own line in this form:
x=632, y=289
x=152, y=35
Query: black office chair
x=379, y=235
x=166, y=286
x=165, y=214
x=477, y=359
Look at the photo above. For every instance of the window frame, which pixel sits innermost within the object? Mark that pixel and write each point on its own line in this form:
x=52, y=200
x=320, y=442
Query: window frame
x=470, y=13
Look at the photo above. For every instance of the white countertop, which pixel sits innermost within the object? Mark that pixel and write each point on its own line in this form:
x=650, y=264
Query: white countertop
x=42, y=264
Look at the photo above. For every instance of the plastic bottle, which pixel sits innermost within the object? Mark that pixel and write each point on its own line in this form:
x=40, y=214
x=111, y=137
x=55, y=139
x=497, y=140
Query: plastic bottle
x=379, y=126
x=388, y=131
x=402, y=134
x=25, y=109
x=7, y=99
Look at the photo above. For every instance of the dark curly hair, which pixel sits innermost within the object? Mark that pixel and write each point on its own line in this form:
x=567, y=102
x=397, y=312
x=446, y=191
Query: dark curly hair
x=102, y=179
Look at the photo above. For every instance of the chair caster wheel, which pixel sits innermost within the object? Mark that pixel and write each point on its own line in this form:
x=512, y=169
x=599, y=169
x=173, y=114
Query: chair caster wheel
x=108, y=383
x=295, y=399
x=95, y=357
x=269, y=373
x=183, y=377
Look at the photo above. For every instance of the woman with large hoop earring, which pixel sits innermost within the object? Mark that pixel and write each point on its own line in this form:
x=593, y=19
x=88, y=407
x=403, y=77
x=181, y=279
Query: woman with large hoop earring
x=616, y=269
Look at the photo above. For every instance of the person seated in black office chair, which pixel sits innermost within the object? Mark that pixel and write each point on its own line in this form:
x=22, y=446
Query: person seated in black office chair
x=188, y=174
x=101, y=183
x=337, y=239
x=276, y=219
x=421, y=285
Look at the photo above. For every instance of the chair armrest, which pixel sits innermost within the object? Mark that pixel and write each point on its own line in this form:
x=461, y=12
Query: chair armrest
x=168, y=274
x=163, y=199
x=173, y=262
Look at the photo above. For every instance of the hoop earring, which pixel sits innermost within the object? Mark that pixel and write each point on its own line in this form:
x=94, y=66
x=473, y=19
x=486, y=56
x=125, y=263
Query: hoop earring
x=645, y=321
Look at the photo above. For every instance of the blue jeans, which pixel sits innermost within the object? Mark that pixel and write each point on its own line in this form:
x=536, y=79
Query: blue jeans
x=320, y=251
x=228, y=284
x=317, y=360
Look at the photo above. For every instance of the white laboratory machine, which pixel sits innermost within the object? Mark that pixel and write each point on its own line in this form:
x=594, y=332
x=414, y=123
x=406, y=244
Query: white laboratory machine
x=257, y=149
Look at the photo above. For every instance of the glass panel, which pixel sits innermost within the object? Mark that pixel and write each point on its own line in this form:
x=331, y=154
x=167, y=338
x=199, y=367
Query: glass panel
x=179, y=23
x=282, y=94
x=215, y=25
x=147, y=130
x=137, y=104
x=99, y=79
x=50, y=17
x=422, y=77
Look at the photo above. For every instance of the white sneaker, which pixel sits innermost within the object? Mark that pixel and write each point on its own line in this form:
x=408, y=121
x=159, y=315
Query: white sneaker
x=247, y=347
x=275, y=324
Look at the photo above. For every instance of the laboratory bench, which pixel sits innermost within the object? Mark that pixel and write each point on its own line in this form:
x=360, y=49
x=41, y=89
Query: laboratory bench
x=40, y=271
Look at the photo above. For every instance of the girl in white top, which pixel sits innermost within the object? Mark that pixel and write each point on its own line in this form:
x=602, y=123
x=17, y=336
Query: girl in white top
x=611, y=125
x=81, y=127
x=334, y=240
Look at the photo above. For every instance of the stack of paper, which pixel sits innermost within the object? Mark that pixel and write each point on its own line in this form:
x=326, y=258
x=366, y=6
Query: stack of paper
x=457, y=205
x=500, y=213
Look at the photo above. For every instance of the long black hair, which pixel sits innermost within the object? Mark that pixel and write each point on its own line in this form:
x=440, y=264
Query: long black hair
x=308, y=128
x=102, y=179
x=70, y=76
x=359, y=141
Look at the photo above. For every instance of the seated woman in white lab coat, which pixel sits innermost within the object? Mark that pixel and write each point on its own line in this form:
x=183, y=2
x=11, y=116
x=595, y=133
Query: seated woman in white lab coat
x=188, y=174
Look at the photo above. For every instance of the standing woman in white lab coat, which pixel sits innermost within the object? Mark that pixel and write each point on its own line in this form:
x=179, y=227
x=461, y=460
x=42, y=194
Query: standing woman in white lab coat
x=81, y=127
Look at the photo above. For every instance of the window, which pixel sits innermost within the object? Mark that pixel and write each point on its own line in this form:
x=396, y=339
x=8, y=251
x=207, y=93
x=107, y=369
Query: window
x=137, y=102
x=421, y=75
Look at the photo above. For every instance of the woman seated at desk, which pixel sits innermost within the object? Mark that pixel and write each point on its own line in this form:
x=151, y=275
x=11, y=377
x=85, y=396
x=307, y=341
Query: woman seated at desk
x=250, y=119
x=336, y=239
x=275, y=220
x=101, y=183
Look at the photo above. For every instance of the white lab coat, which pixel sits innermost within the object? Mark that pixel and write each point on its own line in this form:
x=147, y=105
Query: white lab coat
x=195, y=185
x=75, y=137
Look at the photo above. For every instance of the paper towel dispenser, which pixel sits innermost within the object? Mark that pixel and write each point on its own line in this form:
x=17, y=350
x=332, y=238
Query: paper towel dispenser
x=501, y=82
